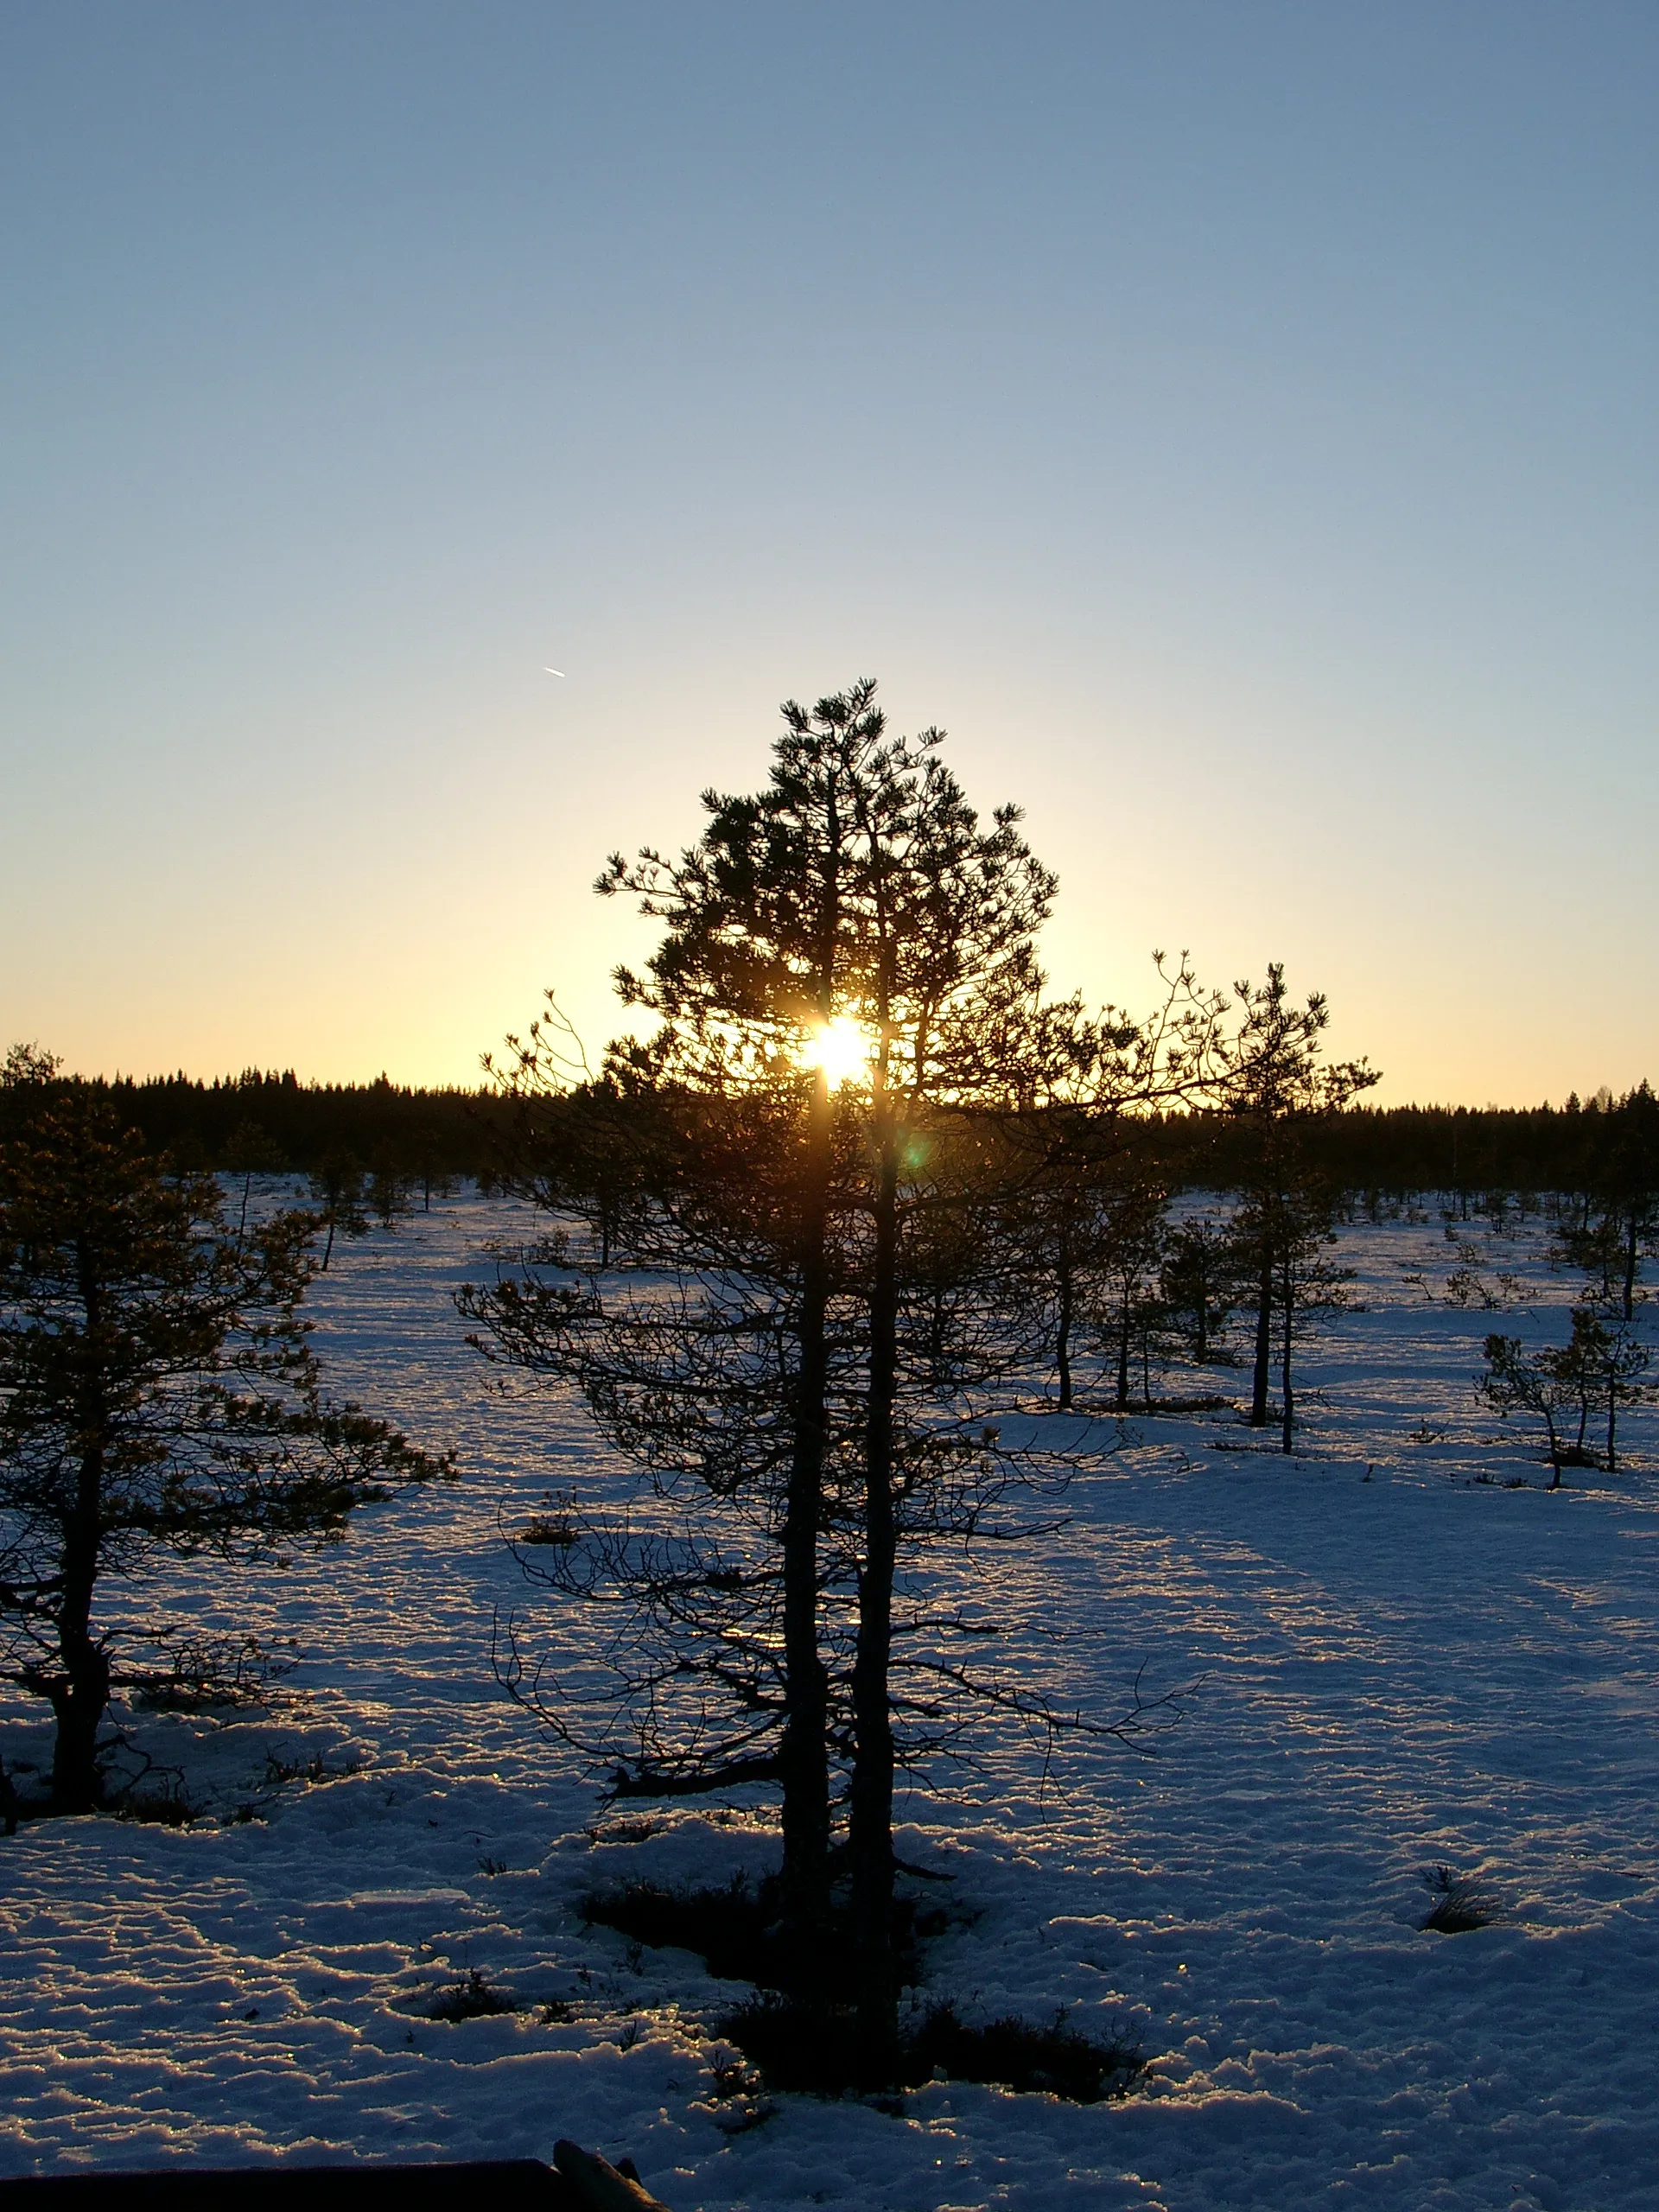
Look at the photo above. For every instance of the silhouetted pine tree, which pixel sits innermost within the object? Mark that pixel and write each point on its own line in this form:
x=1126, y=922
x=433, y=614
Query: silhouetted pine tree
x=336, y=1187
x=157, y=1394
x=817, y=1275
x=1199, y=1284
x=1283, y=1099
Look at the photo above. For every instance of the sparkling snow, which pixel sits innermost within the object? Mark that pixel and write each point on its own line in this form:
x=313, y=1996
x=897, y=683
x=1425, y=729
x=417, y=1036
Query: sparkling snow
x=1420, y=1669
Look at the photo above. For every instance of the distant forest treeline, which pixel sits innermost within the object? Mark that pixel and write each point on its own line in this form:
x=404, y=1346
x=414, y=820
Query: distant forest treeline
x=1397, y=1149
x=273, y=1121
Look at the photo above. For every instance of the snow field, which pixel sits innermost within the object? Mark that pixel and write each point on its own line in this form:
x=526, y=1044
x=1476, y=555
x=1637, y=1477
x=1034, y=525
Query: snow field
x=1418, y=1668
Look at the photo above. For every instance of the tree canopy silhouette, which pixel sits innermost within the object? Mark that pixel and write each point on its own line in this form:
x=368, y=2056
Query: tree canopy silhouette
x=157, y=1394
x=854, y=1068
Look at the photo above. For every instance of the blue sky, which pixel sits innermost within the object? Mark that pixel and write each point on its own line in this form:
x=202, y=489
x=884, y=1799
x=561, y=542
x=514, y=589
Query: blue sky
x=1234, y=422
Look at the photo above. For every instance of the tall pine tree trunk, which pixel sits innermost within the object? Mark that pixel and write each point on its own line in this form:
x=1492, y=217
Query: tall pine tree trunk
x=1630, y=1277
x=871, y=1835
x=1063, y=1316
x=1263, y=1344
x=1287, y=1299
x=78, y=1697
x=80, y=1692
x=1613, y=1412
x=1122, y=1400
x=804, y=1757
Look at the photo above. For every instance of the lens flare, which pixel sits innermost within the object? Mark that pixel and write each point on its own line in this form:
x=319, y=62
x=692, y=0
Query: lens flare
x=840, y=1047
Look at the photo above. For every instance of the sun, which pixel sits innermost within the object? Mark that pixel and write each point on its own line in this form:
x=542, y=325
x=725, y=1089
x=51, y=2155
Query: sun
x=840, y=1047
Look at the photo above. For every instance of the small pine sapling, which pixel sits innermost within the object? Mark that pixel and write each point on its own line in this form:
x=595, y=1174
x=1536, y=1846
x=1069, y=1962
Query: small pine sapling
x=1563, y=1386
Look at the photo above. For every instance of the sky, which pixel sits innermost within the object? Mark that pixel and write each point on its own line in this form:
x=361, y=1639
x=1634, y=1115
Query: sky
x=1232, y=420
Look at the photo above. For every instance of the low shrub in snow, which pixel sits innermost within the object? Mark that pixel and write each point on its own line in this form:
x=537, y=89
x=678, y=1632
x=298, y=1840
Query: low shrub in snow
x=312, y=1767
x=223, y=1675
x=168, y=1807
x=1056, y=2057
x=815, y=2048
x=471, y=1998
x=1456, y=1905
x=543, y=1529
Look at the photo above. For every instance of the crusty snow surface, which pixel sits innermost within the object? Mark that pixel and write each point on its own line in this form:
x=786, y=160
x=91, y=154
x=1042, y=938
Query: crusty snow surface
x=1427, y=1668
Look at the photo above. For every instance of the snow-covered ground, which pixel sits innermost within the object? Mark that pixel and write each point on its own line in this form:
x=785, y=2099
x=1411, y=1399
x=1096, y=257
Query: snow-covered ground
x=1423, y=1668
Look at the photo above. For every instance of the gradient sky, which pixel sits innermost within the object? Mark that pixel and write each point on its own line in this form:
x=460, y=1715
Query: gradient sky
x=1235, y=423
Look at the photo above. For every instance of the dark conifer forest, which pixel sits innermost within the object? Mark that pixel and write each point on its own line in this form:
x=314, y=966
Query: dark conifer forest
x=1385, y=1152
